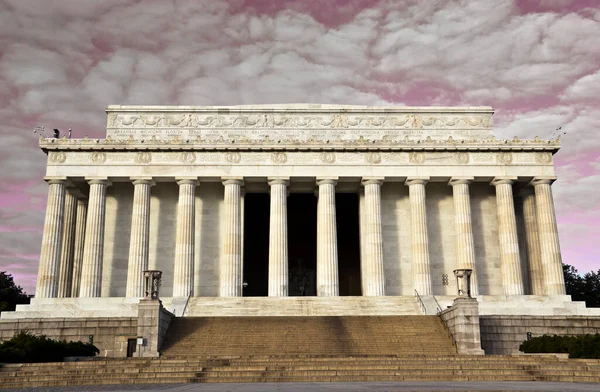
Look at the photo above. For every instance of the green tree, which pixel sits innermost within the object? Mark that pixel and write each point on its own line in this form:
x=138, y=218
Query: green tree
x=11, y=295
x=583, y=288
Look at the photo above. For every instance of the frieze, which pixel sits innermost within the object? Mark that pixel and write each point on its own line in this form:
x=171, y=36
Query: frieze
x=98, y=157
x=278, y=157
x=543, y=157
x=187, y=157
x=373, y=158
x=143, y=157
x=327, y=157
x=505, y=158
x=416, y=157
x=57, y=157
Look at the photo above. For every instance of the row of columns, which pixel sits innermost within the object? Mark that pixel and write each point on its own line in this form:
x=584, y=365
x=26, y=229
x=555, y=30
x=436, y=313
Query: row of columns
x=73, y=241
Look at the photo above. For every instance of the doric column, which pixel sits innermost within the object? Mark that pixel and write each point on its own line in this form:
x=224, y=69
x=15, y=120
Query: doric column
x=374, y=277
x=419, y=237
x=231, y=249
x=183, y=271
x=78, y=248
x=65, y=280
x=548, y=235
x=327, y=253
x=93, y=250
x=510, y=261
x=48, y=275
x=139, y=242
x=465, y=250
x=278, y=239
x=534, y=261
x=363, y=242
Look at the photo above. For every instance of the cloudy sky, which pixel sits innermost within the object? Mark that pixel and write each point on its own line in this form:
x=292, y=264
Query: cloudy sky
x=537, y=62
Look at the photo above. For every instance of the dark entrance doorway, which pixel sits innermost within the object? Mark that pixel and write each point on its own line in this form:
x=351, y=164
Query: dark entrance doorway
x=256, y=244
x=302, y=243
x=348, y=239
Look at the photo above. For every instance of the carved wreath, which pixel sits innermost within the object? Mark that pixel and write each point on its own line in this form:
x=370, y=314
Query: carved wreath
x=373, y=157
x=505, y=158
x=98, y=157
x=328, y=157
x=544, y=157
x=416, y=157
x=233, y=157
x=279, y=157
x=187, y=157
x=462, y=157
x=57, y=157
x=143, y=157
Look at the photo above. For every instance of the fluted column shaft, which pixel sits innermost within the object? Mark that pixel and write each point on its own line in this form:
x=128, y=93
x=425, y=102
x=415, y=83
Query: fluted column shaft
x=78, y=247
x=231, y=251
x=419, y=236
x=536, y=272
x=548, y=236
x=48, y=275
x=183, y=271
x=374, y=277
x=278, y=239
x=327, y=253
x=139, y=243
x=463, y=222
x=93, y=250
x=68, y=244
x=510, y=261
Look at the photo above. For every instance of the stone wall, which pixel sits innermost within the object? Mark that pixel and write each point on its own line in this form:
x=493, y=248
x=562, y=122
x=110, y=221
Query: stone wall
x=504, y=334
x=110, y=334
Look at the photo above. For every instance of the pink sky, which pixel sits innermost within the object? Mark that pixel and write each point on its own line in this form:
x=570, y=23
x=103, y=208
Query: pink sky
x=537, y=62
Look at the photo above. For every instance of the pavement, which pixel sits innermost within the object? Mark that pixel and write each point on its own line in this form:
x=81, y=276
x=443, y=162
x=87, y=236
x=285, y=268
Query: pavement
x=333, y=387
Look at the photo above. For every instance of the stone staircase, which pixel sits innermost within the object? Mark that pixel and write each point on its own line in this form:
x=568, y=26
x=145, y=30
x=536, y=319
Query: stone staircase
x=303, y=349
x=336, y=336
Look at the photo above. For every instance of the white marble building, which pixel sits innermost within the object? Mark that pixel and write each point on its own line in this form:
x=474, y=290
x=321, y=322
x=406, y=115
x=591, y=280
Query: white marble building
x=169, y=188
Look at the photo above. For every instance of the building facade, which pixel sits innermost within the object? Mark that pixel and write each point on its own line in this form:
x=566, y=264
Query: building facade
x=295, y=201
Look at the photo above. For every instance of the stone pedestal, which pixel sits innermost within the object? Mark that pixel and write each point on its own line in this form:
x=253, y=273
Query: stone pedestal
x=327, y=253
x=139, y=239
x=462, y=319
x=373, y=276
x=183, y=271
x=231, y=257
x=548, y=235
x=419, y=238
x=152, y=325
x=465, y=250
x=278, y=241
x=93, y=251
x=510, y=260
x=47, y=283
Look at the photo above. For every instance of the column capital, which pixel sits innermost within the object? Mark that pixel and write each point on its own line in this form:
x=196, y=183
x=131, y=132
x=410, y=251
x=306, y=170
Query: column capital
x=371, y=181
x=416, y=181
x=187, y=181
x=233, y=181
x=460, y=181
x=279, y=180
x=98, y=180
x=58, y=180
x=547, y=180
x=503, y=181
x=327, y=180
x=142, y=180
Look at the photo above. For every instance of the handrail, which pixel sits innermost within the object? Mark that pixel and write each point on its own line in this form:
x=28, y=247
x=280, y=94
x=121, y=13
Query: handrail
x=421, y=304
x=186, y=303
x=437, y=304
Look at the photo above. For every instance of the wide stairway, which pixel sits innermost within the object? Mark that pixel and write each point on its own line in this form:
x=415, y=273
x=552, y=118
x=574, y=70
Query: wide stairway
x=303, y=349
x=338, y=336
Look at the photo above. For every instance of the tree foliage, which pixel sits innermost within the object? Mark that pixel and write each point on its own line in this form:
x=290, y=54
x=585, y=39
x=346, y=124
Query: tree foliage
x=11, y=295
x=26, y=347
x=583, y=288
x=582, y=346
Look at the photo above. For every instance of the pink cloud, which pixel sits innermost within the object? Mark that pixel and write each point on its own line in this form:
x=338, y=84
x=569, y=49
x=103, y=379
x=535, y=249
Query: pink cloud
x=63, y=61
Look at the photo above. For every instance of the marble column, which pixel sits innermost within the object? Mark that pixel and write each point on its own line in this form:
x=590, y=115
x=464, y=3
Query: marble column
x=278, y=239
x=373, y=277
x=363, y=242
x=534, y=261
x=463, y=222
x=510, y=261
x=548, y=236
x=231, y=249
x=48, y=275
x=139, y=242
x=65, y=280
x=78, y=248
x=419, y=238
x=327, y=253
x=183, y=271
x=93, y=250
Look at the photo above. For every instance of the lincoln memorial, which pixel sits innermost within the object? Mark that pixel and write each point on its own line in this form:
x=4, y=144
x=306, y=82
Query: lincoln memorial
x=298, y=209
